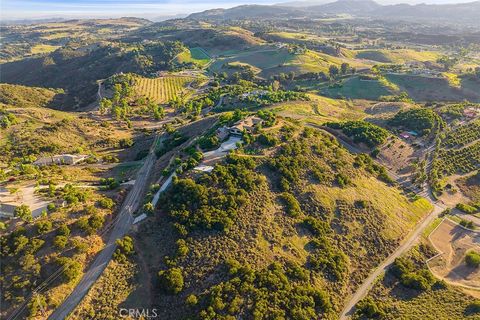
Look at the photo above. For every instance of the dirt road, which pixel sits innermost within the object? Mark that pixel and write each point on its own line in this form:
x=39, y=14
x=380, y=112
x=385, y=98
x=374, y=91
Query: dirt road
x=406, y=244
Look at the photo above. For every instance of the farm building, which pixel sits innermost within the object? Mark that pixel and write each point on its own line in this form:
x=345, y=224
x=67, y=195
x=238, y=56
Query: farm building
x=60, y=159
x=248, y=125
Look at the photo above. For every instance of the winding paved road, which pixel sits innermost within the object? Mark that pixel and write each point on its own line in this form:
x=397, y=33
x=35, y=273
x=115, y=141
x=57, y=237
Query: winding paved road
x=122, y=226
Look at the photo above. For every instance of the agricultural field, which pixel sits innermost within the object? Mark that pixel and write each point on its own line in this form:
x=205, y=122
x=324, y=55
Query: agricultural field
x=272, y=61
x=162, y=89
x=355, y=88
x=194, y=55
x=463, y=160
x=459, y=152
x=463, y=135
x=319, y=110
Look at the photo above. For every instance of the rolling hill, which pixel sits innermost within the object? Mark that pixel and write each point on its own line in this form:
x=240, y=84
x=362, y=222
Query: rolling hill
x=458, y=13
x=306, y=228
x=75, y=69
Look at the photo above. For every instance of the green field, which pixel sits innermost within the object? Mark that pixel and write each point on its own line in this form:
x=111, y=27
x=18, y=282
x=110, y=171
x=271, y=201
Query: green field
x=196, y=55
x=419, y=88
x=355, y=88
x=374, y=55
x=272, y=61
x=319, y=110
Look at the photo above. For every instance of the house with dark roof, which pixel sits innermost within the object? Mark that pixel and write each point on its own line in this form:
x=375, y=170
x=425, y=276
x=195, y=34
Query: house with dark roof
x=246, y=125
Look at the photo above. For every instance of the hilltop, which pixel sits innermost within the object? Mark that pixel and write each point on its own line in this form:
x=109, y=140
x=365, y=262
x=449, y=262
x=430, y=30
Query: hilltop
x=77, y=67
x=270, y=220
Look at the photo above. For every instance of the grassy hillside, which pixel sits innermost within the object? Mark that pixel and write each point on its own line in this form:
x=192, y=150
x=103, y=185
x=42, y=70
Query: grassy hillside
x=356, y=88
x=23, y=96
x=35, y=131
x=398, y=56
x=319, y=110
x=77, y=68
x=305, y=214
x=271, y=61
x=195, y=55
x=434, y=89
x=215, y=40
x=419, y=88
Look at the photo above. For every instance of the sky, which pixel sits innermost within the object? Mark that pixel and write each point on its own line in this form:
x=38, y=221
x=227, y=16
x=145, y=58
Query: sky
x=150, y=9
x=26, y=9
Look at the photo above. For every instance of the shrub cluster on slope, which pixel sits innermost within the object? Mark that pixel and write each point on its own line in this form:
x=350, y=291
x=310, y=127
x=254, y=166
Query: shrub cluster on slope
x=297, y=255
x=362, y=131
x=421, y=120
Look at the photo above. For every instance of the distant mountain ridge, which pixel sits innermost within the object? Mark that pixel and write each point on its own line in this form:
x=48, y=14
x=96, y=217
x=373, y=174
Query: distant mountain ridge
x=462, y=12
x=346, y=6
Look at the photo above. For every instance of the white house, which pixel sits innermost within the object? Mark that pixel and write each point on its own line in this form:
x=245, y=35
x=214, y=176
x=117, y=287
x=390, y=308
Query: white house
x=69, y=159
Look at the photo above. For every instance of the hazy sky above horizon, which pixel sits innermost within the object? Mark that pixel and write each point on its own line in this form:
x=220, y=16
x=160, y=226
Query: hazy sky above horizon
x=38, y=9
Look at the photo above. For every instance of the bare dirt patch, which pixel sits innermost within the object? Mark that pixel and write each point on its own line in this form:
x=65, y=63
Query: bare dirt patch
x=397, y=155
x=470, y=186
x=459, y=192
x=452, y=242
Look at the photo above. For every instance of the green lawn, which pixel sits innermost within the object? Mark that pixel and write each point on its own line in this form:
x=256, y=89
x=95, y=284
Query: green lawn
x=262, y=59
x=354, y=88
